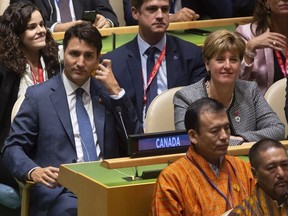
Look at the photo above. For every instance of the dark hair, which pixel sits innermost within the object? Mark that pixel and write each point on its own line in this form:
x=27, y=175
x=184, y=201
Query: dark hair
x=14, y=22
x=138, y=3
x=260, y=146
x=261, y=17
x=86, y=32
x=193, y=113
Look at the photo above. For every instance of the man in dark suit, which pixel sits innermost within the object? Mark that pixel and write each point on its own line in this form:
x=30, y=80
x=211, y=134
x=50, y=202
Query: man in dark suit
x=47, y=132
x=182, y=10
x=51, y=13
x=182, y=63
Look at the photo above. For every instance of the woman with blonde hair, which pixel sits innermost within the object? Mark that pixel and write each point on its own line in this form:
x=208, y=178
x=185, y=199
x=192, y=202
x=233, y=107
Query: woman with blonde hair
x=251, y=118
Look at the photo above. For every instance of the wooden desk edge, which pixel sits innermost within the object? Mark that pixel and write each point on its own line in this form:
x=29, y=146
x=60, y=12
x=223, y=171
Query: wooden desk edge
x=133, y=162
x=172, y=26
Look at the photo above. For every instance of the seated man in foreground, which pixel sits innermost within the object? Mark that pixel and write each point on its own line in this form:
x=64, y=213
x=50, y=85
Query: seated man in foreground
x=73, y=117
x=269, y=163
x=205, y=181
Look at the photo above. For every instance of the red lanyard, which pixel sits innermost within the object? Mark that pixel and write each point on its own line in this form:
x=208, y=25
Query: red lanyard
x=284, y=67
x=154, y=72
x=40, y=75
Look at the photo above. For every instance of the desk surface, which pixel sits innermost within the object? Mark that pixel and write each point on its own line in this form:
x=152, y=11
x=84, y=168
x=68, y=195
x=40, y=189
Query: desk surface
x=105, y=192
x=115, y=177
x=112, y=177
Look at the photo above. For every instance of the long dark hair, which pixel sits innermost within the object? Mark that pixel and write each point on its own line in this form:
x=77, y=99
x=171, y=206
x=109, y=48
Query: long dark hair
x=261, y=17
x=13, y=23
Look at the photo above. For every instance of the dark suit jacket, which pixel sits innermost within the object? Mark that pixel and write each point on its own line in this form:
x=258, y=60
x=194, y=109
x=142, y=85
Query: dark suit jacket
x=205, y=8
x=42, y=134
x=48, y=9
x=9, y=87
x=184, y=64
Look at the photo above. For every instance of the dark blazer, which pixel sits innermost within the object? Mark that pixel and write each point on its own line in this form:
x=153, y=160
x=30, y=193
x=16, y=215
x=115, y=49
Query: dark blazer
x=48, y=9
x=184, y=63
x=9, y=87
x=42, y=133
x=205, y=8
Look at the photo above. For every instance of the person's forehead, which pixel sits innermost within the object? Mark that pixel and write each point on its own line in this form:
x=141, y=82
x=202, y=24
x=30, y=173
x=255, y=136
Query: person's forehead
x=273, y=155
x=75, y=41
x=210, y=118
x=151, y=2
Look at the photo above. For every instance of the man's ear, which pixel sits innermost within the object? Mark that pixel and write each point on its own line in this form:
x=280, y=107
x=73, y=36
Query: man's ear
x=134, y=13
x=193, y=136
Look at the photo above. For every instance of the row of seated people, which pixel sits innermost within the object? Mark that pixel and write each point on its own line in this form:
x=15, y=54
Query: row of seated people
x=181, y=10
x=107, y=16
x=39, y=48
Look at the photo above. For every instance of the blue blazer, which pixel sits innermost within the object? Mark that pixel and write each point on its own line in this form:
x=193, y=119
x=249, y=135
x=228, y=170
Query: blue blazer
x=42, y=133
x=185, y=65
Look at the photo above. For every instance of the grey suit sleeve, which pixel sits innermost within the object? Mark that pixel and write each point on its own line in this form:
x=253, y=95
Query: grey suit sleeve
x=182, y=100
x=181, y=103
x=268, y=125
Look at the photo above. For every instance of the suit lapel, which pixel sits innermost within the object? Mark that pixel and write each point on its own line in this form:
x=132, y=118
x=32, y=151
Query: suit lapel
x=135, y=70
x=99, y=113
x=78, y=9
x=172, y=62
x=59, y=101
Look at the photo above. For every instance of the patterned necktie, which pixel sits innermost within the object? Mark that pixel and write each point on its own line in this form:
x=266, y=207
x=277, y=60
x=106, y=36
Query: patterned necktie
x=85, y=129
x=152, y=89
x=64, y=10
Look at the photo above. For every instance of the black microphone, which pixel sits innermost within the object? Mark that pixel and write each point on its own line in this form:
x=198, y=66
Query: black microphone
x=119, y=111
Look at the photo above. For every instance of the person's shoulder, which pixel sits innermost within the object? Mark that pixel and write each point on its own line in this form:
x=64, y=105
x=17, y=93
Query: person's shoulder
x=246, y=206
x=7, y=74
x=245, y=85
x=181, y=43
x=4, y=69
x=238, y=162
x=188, y=90
x=45, y=87
x=244, y=26
x=246, y=30
x=121, y=51
x=177, y=168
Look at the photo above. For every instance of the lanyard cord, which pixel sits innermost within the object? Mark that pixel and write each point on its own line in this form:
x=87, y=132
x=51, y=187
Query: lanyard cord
x=40, y=75
x=284, y=67
x=213, y=185
x=154, y=72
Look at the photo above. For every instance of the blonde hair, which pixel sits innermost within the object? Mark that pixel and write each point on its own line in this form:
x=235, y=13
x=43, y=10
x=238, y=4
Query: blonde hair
x=221, y=41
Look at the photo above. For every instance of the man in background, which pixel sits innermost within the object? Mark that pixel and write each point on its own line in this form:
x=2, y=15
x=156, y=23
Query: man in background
x=154, y=61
